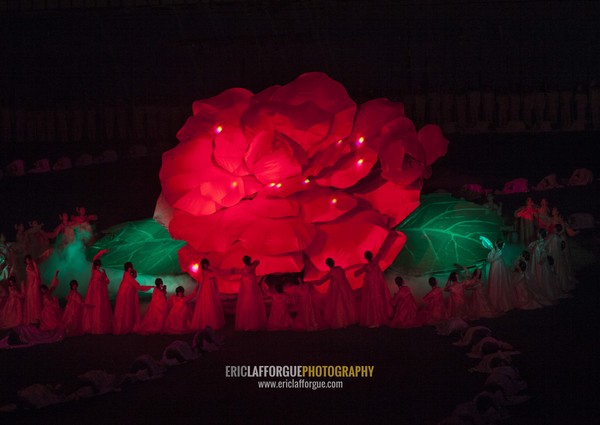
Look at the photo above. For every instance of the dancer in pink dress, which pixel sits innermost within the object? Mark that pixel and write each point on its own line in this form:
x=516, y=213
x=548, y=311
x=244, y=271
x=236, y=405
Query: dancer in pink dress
x=33, y=297
x=340, y=304
x=51, y=315
x=434, y=310
x=153, y=321
x=127, y=304
x=81, y=224
x=250, y=314
x=12, y=313
x=279, y=316
x=178, y=318
x=308, y=317
x=72, y=319
x=543, y=217
x=208, y=310
x=500, y=291
x=526, y=221
x=97, y=316
x=477, y=304
x=374, y=309
x=456, y=306
x=37, y=239
x=65, y=230
x=406, y=313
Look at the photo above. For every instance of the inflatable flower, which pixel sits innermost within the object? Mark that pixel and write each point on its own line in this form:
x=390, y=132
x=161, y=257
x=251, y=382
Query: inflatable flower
x=293, y=175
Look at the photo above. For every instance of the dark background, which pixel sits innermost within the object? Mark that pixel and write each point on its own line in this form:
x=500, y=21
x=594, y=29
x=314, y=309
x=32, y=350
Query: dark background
x=99, y=51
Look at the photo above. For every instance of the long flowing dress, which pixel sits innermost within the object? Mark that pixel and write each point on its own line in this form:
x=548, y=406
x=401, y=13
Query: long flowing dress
x=544, y=221
x=406, y=313
x=524, y=300
x=153, y=321
x=456, y=306
x=308, y=316
x=434, y=310
x=250, y=313
x=12, y=313
x=178, y=318
x=279, y=316
x=83, y=228
x=97, y=315
x=340, y=304
x=477, y=304
x=500, y=293
x=33, y=297
x=526, y=224
x=557, y=250
x=51, y=315
x=72, y=319
x=543, y=283
x=208, y=310
x=127, y=305
x=375, y=309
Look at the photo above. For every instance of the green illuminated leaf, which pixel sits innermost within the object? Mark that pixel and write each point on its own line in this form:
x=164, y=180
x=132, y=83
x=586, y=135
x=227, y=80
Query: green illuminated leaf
x=443, y=231
x=145, y=243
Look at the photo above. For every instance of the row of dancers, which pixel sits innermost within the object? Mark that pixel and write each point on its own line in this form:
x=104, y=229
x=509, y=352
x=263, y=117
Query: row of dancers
x=36, y=241
x=339, y=309
x=93, y=314
x=539, y=277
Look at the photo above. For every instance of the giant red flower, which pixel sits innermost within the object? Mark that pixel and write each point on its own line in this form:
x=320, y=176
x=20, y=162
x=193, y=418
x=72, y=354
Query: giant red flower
x=293, y=175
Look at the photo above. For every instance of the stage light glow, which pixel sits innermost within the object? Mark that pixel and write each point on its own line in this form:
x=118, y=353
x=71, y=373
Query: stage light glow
x=218, y=129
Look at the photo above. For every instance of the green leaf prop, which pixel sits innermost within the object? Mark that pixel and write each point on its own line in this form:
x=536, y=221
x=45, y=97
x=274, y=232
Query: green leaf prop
x=444, y=231
x=486, y=242
x=145, y=243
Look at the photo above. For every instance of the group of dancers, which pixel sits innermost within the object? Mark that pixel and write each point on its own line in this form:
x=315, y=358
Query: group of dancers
x=535, y=280
x=35, y=303
x=532, y=217
x=37, y=242
x=538, y=277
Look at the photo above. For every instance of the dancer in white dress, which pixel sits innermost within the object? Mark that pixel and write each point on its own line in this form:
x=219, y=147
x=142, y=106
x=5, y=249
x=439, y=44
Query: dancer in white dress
x=544, y=284
x=500, y=293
